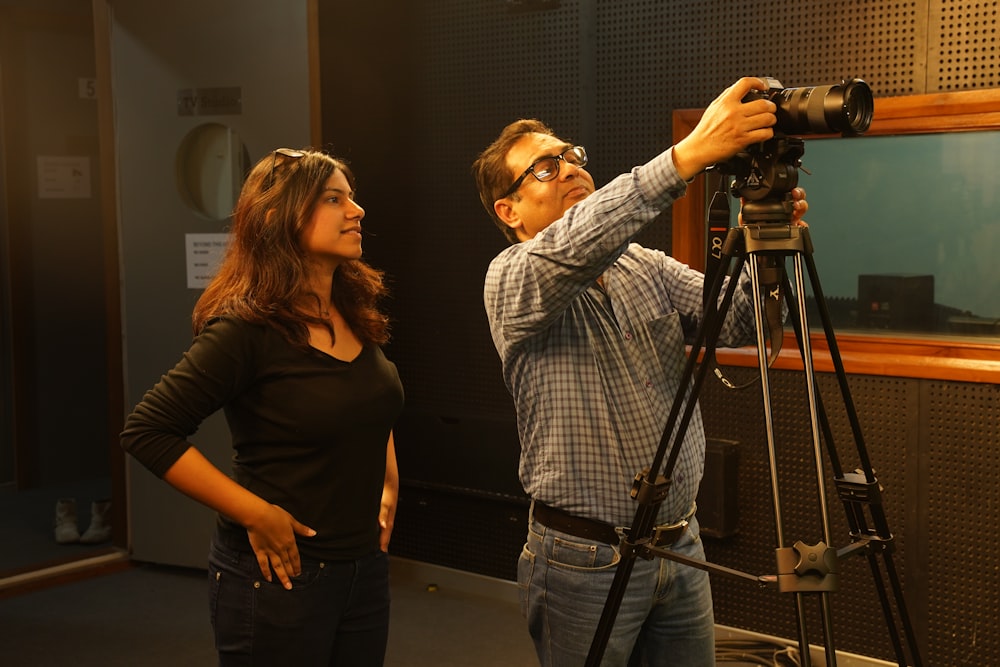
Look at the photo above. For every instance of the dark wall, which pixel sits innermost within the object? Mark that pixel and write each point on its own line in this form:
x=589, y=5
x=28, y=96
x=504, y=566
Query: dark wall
x=53, y=424
x=412, y=91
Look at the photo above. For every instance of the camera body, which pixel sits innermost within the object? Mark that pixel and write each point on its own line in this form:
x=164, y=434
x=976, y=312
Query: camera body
x=845, y=107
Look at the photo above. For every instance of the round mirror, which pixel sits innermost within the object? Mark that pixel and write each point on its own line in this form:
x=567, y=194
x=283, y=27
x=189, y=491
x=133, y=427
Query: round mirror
x=211, y=164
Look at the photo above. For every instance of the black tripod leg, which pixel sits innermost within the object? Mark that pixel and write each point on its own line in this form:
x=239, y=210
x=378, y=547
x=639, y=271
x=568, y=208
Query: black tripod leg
x=706, y=338
x=820, y=422
x=857, y=520
x=877, y=510
x=648, y=493
x=794, y=576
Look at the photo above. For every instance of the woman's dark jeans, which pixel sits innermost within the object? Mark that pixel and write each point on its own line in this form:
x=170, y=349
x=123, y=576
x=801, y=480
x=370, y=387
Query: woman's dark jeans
x=336, y=614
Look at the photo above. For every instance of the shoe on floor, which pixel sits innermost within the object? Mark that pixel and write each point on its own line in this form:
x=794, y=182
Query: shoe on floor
x=67, y=532
x=100, y=523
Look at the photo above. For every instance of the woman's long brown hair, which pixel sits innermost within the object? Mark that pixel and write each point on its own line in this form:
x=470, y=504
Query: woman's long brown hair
x=262, y=277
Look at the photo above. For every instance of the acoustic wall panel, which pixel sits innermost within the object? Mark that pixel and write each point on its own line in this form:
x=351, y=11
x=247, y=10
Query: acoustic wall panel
x=962, y=497
x=479, y=67
x=963, y=49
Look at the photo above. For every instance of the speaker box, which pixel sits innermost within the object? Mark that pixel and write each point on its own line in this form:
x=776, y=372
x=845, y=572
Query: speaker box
x=896, y=301
x=718, y=500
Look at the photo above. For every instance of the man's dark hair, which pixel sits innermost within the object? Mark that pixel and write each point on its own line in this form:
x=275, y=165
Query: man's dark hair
x=491, y=172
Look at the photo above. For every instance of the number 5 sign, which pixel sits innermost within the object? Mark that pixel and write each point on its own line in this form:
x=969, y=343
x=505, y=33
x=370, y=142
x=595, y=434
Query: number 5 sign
x=86, y=88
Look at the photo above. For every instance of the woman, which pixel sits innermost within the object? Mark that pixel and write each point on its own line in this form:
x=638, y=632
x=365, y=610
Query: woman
x=287, y=343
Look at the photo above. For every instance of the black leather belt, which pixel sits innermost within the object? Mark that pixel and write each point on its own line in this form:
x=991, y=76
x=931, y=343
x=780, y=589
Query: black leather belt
x=589, y=529
x=577, y=526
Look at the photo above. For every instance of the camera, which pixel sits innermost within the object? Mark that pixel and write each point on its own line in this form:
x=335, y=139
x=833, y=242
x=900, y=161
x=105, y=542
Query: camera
x=846, y=107
x=765, y=174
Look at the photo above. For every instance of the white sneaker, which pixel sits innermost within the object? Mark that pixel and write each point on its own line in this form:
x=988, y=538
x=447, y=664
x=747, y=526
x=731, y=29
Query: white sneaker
x=100, y=523
x=67, y=531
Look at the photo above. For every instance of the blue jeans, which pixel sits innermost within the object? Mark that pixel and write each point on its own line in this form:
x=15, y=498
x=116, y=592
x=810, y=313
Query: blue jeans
x=665, y=617
x=337, y=612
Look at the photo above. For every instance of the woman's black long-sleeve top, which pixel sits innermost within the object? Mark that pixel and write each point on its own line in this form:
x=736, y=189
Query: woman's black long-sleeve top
x=309, y=431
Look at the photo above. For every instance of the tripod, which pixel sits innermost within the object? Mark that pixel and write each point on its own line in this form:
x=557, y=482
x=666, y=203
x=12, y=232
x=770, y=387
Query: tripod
x=803, y=570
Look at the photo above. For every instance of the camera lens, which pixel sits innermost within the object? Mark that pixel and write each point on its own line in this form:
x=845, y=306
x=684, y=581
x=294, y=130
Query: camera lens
x=846, y=108
x=858, y=107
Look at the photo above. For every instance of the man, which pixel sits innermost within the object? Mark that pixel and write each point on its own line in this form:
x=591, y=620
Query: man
x=591, y=330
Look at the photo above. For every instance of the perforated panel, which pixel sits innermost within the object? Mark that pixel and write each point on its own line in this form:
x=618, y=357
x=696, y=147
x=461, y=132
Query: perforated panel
x=481, y=68
x=962, y=499
x=471, y=533
x=963, y=45
x=654, y=57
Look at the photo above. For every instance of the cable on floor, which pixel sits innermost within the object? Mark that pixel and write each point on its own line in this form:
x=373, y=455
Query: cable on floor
x=756, y=653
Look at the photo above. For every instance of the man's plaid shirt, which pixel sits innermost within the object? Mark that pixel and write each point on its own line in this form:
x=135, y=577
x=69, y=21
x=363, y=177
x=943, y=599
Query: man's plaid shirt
x=593, y=370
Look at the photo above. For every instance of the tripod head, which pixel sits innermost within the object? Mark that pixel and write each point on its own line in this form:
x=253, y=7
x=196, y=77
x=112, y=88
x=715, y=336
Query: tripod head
x=765, y=175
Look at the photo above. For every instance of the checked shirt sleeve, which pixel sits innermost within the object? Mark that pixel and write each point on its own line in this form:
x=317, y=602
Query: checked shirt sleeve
x=532, y=283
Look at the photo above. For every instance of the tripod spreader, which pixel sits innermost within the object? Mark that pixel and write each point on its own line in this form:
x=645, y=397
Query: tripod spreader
x=804, y=568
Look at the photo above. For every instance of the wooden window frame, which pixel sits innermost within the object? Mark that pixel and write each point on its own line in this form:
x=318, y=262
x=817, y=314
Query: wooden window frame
x=895, y=355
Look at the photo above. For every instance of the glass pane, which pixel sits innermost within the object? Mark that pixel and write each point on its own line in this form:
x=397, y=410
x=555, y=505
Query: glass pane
x=906, y=231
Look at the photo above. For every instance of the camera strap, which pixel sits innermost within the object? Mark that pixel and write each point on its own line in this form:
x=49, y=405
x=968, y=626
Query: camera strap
x=770, y=277
x=771, y=270
x=718, y=229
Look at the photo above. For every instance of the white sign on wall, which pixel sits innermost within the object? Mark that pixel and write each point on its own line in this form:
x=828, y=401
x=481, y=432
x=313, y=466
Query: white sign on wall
x=63, y=177
x=204, y=253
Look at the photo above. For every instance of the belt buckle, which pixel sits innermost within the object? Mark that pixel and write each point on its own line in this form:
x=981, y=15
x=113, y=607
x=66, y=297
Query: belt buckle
x=666, y=535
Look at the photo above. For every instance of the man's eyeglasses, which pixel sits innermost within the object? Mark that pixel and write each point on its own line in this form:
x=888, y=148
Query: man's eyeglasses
x=286, y=152
x=547, y=168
